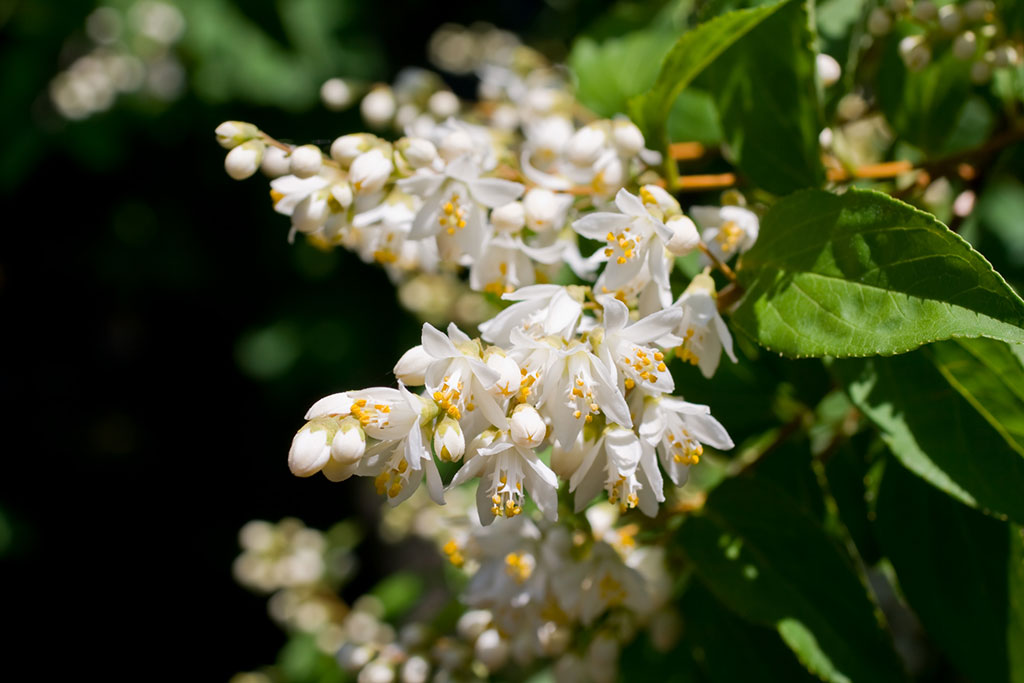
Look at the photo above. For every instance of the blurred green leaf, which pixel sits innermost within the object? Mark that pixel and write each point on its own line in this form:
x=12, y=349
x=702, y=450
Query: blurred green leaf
x=694, y=118
x=609, y=73
x=953, y=413
x=302, y=661
x=954, y=568
x=773, y=564
x=862, y=273
x=399, y=592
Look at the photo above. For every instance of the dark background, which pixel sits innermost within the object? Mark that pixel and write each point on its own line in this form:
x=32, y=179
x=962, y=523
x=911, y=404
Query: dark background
x=161, y=342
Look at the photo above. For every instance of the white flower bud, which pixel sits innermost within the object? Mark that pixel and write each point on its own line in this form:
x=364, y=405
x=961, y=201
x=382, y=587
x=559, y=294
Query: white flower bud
x=370, y=171
x=411, y=367
x=415, y=670
x=826, y=137
x=981, y=71
x=376, y=672
x=899, y=6
x=406, y=116
x=449, y=442
x=311, y=447
x=1005, y=55
x=924, y=10
x=418, y=152
x=335, y=94
x=349, y=442
x=244, y=160
x=976, y=10
x=491, y=649
x=879, y=22
x=456, y=144
x=311, y=213
x=342, y=193
x=828, y=69
x=542, y=209
x=509, y=217
x=965, y=45
x=354, y=657
x=527, y=427
x=508, y=371
x=345, y=149
x=230, y=134
x=949, y=18
x=443, y=104
x=627, y=138
x=916, y=53
x=685, y=237
x=275, y=162
x=378, y=107
x=306, y=161
x=472, y=623
x=586, y=145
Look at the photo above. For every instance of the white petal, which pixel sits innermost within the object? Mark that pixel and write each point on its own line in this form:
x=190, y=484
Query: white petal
x=616, y=314
x=437, y=344
x=623, y=449
x=630, y=204
x=596, y=226
x=653, y=326
x=335, y=404
x=494, y=192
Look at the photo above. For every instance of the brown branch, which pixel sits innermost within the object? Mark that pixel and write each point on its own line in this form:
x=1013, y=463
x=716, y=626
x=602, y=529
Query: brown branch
x=726, y=270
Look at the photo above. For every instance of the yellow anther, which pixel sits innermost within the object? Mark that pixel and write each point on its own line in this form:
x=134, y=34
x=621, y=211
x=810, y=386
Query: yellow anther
x=658, y=355
x=577, y=414
x=594, y=407
x=402, y=466
x=630, y=383
x=395, y=489
x=588, y=419
x=496, y=499
x=609, y=237
x=662, y=367
x=620, y=260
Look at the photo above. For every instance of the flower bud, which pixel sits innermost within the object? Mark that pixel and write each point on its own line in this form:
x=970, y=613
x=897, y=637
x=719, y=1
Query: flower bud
x=376, y=672
x=491, y=649
x=527, y=427
x=335, y=94
x=543, y=209
x=346, y=148
x=981, y=71
x=456, y=144
x=585, y=146
x=311, y=447
x=472, y=623
x=976, y=10
x=306, y=161
x=508, y=370
x=899, y=6
x=965, y=45
x=627, y=138
x=828, y=69
x=354, y=657
x=242, y=161
x=1006, y=55
x=949, y=18
x=915, y=52
x=349, y=442
x=449, y=442
x=510, y=217
x=275, y=163
x=685, y=237
x=417, y=152
x=230, y=134
x=370, y=172
x=879, y=22
x=416, y=669
x=378, y=107
x=411, y=367
x=311, y=213
x=443, y=104
x=924, y=10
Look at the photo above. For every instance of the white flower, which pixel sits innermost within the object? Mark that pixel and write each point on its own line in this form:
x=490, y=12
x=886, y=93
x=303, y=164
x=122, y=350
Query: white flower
x=311, y=447
x=306, y=161
x=411, y=367
x=449, y=442
x=457, y=378
x=244, y=160
x=545, y=210
x=678, y=430
x=506, y=470
x=509, y=217
x=349, y=443
x=703, y=332
x=233, y=133
x=370, y=171
x=613, y=462
x=628, y=346
x=727, y=230
x=553, y=309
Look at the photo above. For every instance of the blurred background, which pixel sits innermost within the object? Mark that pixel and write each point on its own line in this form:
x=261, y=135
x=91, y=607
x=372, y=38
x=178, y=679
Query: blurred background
x=162, y=340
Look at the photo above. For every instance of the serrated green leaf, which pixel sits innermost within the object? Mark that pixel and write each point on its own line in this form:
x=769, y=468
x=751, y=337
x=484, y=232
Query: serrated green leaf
x=951, y=413
x=953, y=568
x=609, y=73
x=862, y=273
x=690, y=55
x=765, y=91
x=772, y=564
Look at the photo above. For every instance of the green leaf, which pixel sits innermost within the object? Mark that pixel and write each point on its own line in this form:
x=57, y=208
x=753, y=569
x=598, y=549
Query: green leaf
x=609, y=73
x=862, y=273
x=690, y=55
x=772, y=564
x=953, y=568
x=399, y=592
x=953, y=413
x=765, y=90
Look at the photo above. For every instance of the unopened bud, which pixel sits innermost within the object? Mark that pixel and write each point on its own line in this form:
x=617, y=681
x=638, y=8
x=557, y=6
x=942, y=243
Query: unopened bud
x=879, y=22
x=924, y=10
x=417, y=152
x=416, y=669
x=527, y=427
x=828, y=69
x=1005, y=55
x=378, y=107
x=949, y=18
x=981, y=71
x=244, y=160
x=230, y=134
x=443, y=104
x=306, y=161
x=977, y=10
x=543, y=209
x=376, y=672
x=627, y=138
x=456, y=144
x=586, y=145
x=335, y=94
x=370, y=171
x=411, y=367
x=965, y=45
x=472, y=623
x=349, y=442
x=311, y=447
x=491, y=649
x=449, y=442
x=899, y=6
x=509, y=217
x=275, y=162
x=685, y=237
x=345, y=149
x=916, y=53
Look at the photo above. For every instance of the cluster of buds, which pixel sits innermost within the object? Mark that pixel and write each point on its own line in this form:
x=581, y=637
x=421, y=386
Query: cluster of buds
x=972, y=27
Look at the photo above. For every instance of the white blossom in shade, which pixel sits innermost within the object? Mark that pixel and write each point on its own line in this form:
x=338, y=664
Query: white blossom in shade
x=454, y=203
x=545, y=210
x=370, y=171
x=449, y=442
x=602, y=659
x=457, y=379
x=311, y=447
x=576, y=387
x=701, y=328
x=545, y=309
x=726, y=230
x=306, y=161
x=506, y=471
x=629, y=348
x=678, y=431
x=416, y=669
x=503, y=266
x=635, y=236
x=244, y=160
x=491, y=649
x=412, y=366
x=381, y=233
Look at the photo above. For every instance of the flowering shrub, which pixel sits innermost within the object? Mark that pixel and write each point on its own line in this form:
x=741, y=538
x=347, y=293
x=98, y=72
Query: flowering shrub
x=553, y=426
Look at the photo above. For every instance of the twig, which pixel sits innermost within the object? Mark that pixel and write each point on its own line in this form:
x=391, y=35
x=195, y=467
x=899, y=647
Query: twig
x=726, y=270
